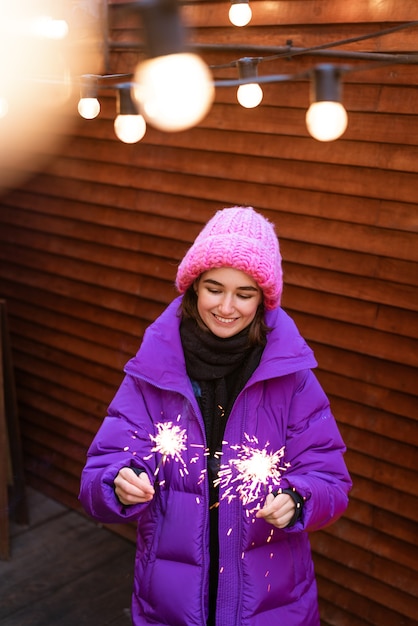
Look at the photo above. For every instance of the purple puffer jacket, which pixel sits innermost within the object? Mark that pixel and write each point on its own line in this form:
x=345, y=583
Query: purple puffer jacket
x=266, y=574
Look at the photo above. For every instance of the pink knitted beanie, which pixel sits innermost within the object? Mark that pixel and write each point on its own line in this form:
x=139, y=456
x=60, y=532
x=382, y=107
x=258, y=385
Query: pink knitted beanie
x=241, y=238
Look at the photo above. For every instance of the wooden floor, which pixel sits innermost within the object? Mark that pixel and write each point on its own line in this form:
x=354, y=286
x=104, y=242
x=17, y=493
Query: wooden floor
x=64, y=570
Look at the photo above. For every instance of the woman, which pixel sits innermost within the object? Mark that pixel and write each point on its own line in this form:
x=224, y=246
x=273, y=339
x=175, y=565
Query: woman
x=222, y=379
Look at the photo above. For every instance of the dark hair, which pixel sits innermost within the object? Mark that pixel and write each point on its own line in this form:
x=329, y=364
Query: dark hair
x=258, y=328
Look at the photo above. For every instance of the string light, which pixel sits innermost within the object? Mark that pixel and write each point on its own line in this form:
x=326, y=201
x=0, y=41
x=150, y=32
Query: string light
x=173, y=87
x=129, y=125
x=175, y=91
x=88, y=105
x=326, y=118
x=240, y=13
x=249, y=95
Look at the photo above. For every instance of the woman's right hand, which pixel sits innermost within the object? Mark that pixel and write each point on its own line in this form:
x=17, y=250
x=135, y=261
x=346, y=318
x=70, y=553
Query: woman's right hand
x=131, y=488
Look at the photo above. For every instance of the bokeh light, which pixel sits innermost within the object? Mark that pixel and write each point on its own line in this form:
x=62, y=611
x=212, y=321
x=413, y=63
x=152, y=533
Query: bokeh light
x=44, y=47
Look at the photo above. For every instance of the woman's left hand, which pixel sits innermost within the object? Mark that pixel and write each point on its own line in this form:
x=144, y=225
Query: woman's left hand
x=278, y=510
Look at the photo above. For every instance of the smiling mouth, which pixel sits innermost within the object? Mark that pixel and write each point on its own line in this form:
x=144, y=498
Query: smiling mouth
x=225, y=320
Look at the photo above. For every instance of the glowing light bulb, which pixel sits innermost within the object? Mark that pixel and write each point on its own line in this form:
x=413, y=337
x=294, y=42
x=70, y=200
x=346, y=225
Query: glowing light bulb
x=130, y=128
x=326, y=121
x=174, y=91
x=240, y=13
x=326, y=118
x=249, y=95
x=89, y=108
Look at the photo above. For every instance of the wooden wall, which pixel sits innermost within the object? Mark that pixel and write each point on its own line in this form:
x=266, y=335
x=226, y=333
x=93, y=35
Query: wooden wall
x=89, y=250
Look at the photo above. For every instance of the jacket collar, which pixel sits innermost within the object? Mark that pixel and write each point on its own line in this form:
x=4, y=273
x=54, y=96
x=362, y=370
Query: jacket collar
x=160, y=358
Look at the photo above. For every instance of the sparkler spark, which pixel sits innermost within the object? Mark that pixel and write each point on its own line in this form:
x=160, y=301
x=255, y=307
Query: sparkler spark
x=252, y=474
x=170, y=441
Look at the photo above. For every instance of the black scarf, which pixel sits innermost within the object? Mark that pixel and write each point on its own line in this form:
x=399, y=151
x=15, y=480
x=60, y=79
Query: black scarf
x=219, y=369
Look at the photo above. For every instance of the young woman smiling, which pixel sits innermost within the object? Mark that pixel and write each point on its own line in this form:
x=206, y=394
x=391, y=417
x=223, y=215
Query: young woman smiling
x=226, y=366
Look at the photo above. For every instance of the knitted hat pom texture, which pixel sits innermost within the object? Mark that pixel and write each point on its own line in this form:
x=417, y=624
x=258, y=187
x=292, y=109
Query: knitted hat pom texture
x=241, y=238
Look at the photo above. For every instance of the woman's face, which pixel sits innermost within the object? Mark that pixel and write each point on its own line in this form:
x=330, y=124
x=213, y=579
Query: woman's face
x=227, y=300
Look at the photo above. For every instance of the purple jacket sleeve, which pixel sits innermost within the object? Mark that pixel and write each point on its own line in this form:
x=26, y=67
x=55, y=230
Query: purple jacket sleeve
x=122, y=441
x=315, y=451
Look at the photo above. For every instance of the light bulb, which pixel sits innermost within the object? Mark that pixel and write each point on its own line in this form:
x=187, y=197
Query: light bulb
x=326, y=121
x=240, y=13
x=130, y=128
x=174, y=91
x=89, y=108
x=249, y=95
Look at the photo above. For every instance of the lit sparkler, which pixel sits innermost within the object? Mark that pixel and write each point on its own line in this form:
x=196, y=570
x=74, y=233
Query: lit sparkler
x=170, y=442
x=252, y=474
